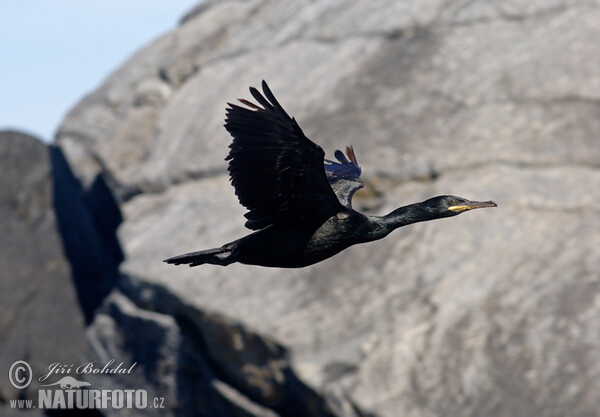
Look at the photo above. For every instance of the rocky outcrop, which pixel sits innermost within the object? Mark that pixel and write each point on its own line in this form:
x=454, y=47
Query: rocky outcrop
x=198, y=362
x=493, y=313
x=41, y=321
x=60, y=261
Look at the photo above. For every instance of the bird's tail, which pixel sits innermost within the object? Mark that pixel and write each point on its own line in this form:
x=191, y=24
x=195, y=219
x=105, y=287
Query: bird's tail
x=217, y=256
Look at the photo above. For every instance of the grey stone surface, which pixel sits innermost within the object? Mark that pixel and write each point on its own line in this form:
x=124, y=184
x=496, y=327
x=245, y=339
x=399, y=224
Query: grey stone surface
x=492, y=313
x=198, y=363
x=41, y=321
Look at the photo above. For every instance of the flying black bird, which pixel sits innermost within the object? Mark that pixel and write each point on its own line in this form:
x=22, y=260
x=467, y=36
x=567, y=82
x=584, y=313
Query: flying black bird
x=298, y=202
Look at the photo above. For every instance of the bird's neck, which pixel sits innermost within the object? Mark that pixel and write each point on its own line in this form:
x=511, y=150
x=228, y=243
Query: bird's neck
x=406, y=215
x=378, y=227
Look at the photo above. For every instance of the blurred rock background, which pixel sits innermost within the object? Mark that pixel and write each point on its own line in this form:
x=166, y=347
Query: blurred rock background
x=494, y=313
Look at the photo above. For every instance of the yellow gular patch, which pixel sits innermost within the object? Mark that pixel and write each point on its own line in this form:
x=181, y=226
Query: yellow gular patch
x=459, y=208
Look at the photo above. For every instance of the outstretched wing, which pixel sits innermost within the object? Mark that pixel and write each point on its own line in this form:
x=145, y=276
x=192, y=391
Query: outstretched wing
x=277, y=172
x=344, y=176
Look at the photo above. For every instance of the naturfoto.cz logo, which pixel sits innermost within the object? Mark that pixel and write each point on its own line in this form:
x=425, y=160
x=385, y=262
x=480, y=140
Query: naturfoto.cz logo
x=71, y=393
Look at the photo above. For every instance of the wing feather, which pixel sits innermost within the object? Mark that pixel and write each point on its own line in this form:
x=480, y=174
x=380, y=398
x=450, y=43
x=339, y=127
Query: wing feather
x=277, y=172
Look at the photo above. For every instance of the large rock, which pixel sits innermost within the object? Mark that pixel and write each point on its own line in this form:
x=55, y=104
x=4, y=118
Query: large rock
x=41, y=320
x=59, y=259
x=197, y=362
x=492, y=313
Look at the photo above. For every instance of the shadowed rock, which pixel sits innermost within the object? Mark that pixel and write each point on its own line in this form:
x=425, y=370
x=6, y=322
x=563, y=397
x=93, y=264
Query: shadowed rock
x=87, y=220
x=200, y=363
x=41, y=322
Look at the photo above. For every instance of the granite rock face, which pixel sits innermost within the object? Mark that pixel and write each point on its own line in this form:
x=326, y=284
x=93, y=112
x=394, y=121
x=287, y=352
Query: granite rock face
x=60, y=260
x=41, y=322
x=198, y=363
x=491, y=313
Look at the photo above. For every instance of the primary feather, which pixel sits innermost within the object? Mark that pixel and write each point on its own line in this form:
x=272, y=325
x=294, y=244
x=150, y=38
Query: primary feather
x=277, y=172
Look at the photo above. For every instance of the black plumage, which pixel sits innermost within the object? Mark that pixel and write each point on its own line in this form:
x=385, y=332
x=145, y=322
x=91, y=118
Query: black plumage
x=299, y=204
x=277, y=172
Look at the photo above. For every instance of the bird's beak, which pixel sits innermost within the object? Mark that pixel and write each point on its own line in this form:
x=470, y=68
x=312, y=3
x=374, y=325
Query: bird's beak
x=472, y=205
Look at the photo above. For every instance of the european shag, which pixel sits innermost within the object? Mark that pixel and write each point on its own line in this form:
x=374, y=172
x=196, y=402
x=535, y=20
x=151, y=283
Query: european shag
x=299, y=203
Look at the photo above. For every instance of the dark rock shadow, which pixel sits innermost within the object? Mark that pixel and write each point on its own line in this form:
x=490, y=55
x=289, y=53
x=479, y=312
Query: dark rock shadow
x=87, y=222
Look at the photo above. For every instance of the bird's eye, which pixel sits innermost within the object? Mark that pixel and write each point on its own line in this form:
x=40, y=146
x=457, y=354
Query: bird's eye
x=454, y=203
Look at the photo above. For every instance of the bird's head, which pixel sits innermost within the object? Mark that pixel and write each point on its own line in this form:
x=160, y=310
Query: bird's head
x=449, y=205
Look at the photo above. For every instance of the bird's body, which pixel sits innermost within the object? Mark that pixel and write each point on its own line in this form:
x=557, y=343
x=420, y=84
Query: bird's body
x=298, y=244
x=298, y=202
x=289, y=244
